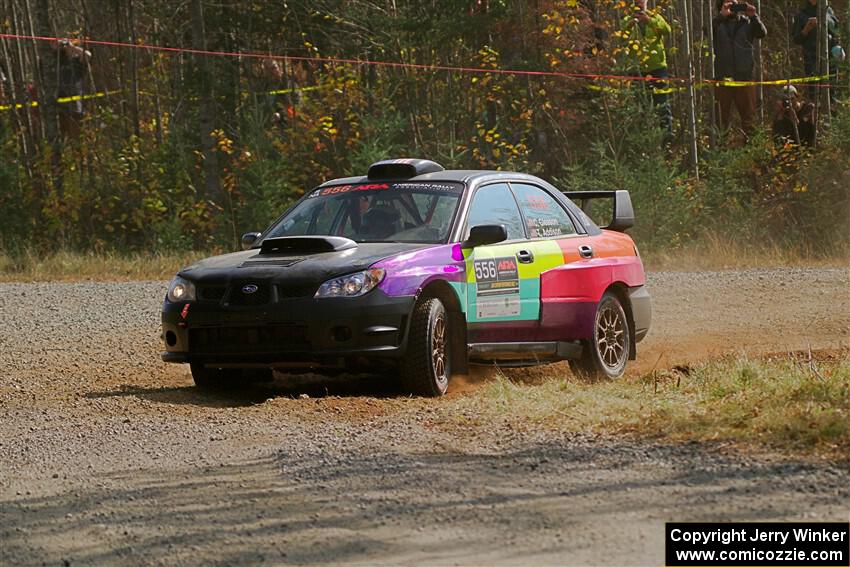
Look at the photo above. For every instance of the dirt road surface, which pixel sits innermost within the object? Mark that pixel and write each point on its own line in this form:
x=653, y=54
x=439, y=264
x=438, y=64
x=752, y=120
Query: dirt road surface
x=108, y=456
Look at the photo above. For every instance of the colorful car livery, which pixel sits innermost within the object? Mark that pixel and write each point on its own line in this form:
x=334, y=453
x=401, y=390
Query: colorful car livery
x=416, y=271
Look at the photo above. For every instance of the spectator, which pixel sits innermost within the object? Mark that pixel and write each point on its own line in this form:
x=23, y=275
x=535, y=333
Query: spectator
x=804, y=32
x=736, y=27
x=73, y=65
x=267, y=84
x=644, y=32
x=794, y=121
x=265, y=73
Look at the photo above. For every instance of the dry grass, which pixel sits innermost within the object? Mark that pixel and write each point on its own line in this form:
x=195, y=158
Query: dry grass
x=787, y=402
x=720, y=253
x=707, y=254
x=107, y=266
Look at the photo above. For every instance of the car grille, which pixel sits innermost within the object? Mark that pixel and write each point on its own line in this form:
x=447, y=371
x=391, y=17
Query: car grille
x=237, y=340
x=238, y=296
x=266, y=292
x=211, y=292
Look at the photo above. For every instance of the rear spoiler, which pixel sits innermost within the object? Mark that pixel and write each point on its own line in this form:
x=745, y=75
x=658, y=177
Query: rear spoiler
x=622, y=213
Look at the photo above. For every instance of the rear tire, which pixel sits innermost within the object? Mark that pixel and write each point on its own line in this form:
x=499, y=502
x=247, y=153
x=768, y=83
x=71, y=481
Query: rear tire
x=426, y=367
x=606, y=354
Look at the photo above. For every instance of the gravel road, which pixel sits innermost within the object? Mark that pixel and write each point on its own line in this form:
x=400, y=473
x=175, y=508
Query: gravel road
x=108, y=455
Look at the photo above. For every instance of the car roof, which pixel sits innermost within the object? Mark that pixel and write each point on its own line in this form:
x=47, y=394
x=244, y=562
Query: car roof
x=458, y=175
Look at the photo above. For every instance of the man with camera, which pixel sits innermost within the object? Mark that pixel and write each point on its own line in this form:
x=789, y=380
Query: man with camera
x=644, y=32
x=805, y=34
x=736, y=29
x=794, y=121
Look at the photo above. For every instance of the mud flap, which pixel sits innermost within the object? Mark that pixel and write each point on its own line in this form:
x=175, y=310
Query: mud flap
x=457, y=337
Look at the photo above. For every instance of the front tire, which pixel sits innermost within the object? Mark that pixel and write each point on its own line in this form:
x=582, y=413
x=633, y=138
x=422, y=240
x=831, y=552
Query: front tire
x=606, y=354
x=426, y=368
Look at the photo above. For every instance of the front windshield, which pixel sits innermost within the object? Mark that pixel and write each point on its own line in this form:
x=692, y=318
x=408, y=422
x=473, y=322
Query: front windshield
x=375, y=212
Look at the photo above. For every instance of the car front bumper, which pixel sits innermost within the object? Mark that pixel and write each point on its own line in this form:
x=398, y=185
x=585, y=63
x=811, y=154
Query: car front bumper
x=289, y=333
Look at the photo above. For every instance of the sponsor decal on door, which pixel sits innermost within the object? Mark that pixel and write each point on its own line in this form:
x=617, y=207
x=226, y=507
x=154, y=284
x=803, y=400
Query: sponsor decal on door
x=497, y=287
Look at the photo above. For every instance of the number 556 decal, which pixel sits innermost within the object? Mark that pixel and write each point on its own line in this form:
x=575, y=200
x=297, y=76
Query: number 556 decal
x=497, y=281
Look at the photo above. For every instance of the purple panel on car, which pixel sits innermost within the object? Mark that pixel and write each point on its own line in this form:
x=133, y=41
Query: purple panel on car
x=409, y=272
x=567, y=321
x=560, y=322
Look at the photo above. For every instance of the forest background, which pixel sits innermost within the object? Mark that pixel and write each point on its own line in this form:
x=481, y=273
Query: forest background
x=186, y=151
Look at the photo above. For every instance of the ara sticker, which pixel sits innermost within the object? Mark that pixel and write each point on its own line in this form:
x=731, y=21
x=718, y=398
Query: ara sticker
x=497, y=287
x=348, y=188
x=418, y=186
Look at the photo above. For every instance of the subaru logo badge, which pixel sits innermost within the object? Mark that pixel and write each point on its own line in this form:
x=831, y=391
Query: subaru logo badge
x=250, y=288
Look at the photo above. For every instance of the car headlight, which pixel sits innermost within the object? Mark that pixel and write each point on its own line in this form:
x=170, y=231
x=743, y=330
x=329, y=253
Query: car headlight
x=352, y=285
x=180, y=290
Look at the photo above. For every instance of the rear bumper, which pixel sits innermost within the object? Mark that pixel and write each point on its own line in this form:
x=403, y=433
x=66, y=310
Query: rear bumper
x=289, y=332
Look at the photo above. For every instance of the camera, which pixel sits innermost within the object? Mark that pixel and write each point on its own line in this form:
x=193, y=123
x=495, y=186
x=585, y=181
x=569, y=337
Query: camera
x=786, y=103
x=738, y=8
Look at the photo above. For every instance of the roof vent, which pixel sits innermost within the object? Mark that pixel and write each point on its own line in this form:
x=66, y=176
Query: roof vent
x=403, y=168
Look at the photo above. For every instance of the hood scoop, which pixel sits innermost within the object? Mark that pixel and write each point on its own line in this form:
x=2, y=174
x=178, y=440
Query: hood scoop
x=284, y=261
x=286, y=245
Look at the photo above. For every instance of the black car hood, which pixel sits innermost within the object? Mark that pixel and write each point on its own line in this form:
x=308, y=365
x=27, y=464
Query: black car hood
x=292, y=268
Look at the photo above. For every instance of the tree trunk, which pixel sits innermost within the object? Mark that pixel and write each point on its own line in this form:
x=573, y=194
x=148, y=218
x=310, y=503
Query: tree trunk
x=206, y=112
x=134, y=68
x=712, y=101
x=759, y=73
x=689, y=91
x=48, y=89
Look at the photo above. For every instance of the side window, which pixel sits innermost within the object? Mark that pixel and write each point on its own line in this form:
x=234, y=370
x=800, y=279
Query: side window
x=494, y=204
x=544, y=216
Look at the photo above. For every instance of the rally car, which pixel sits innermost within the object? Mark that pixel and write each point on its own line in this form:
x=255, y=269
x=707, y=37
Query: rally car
x=416, y=271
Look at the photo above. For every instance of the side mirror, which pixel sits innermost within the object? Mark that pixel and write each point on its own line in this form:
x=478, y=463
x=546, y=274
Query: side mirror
x=483, y=234
x=248, y=239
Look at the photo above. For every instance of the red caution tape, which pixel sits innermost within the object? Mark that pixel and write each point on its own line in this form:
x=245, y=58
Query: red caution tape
x=457, y=69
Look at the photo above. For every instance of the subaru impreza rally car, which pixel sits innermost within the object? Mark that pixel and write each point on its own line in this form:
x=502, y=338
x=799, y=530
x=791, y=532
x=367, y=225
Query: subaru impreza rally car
x=417, y=271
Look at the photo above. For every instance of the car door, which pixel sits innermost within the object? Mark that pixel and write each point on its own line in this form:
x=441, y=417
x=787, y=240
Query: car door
x=552, y=233
x=574, y=267
x=503, y=286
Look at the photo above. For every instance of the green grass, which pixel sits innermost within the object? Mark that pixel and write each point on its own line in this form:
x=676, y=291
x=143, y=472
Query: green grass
x=784, y=403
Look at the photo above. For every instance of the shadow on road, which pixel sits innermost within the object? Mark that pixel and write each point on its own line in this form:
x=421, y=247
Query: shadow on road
x=542, y=503
x=309, y=385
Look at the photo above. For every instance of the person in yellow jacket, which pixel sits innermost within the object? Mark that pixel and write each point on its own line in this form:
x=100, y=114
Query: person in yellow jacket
x=644, y=32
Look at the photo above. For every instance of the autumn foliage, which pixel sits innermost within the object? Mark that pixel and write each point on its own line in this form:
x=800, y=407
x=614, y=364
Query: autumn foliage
x=189, y=151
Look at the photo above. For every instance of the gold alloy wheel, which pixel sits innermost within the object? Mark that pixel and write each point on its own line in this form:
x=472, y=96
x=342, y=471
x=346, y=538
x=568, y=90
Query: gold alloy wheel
x=610, y=336
x=438, y=349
